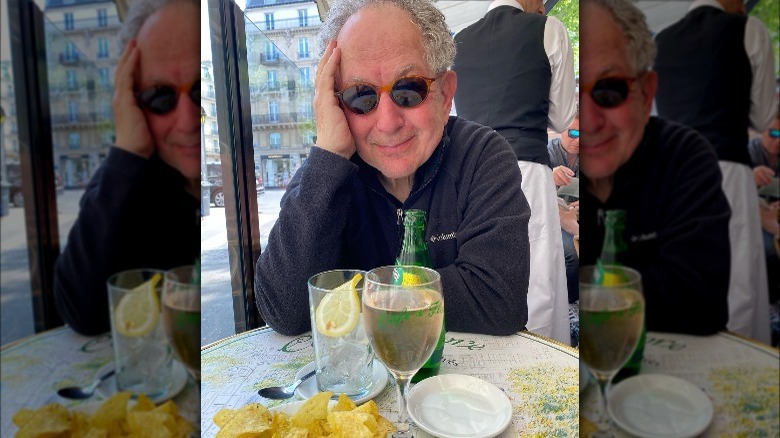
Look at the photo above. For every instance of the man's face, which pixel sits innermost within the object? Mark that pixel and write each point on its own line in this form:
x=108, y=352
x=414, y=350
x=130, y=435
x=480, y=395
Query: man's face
x=609, y=135
x=571, y=145
x=378, y=45
x=170, y=55
x=772, y=144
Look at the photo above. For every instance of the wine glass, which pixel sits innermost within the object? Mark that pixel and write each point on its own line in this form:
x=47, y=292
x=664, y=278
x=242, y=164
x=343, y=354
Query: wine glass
x=403, y=320
x=612, y=314
x=181, y=317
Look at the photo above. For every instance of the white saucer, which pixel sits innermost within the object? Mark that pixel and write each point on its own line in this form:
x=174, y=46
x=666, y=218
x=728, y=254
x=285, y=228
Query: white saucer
x=656, y=405
x=457, y=406
x=179, y=374
x=309, y=387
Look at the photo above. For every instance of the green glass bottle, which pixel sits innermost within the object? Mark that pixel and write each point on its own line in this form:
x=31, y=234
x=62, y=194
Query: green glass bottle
x=414, y=252
x=613, y=253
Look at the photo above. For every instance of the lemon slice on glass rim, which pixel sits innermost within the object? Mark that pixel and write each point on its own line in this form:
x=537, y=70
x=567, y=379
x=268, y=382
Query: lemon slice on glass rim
x=138, y=310
x=339, y=311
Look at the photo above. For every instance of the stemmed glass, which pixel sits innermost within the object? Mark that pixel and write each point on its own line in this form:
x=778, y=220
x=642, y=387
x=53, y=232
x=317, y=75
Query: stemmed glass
x=181, y=317
x=611, y=318
x=403, y=323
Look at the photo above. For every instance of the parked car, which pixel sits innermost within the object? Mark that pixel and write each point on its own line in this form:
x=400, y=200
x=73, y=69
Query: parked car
x=218, y=192
x=15, y=193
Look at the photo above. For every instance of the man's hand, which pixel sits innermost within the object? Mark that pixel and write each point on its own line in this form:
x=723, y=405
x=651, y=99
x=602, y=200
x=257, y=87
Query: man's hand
x=332, y=129
x=562, y=176
x=569, y=221
x=763, y=175
x=132, y=132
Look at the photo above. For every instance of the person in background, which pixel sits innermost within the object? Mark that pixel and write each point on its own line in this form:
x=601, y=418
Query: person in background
x=715, y=69
x=386, y=144
x=663, y=174
x=765, y=160
x=141, y=207
x=520, y=99
x=565, y=162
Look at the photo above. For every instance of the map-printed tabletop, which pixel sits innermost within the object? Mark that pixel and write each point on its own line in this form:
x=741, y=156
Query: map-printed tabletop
x=741, y=377
x=33, y=368
x=540, y=376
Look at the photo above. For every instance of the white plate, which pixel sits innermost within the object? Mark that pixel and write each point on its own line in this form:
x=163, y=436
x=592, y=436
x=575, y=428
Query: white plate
x=656, y=405
x=107, y=387
x=456, y=406
x=309, y=387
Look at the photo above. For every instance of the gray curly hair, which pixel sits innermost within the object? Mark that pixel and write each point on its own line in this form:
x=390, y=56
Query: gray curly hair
x=639, y=40
x=438, y=44
x=139, y=12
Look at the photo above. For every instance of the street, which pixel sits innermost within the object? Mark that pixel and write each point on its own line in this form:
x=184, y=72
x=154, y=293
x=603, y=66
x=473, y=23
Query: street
x=217, y=318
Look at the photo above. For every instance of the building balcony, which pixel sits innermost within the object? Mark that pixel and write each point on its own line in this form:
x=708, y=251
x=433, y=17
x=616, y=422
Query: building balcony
x=69, y=58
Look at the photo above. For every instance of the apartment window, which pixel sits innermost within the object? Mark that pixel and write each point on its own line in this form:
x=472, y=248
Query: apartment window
x=269, y=21
x=213, y=109
x=102, y=18
x=73, y=111
x=105, y=109
x=308, y=138
x=102, y=48
x=272, y=82
x=69, y=21
x=70, y=52
x=276, y=140
x=214, y=146
x=74, y=140
x=307, y=110
x=273, y=111
x=303, y=48
x=71, y=78
x=214, y=128
x=270, y=51
x=305, y=75
x=303, y=18
x=104, y=76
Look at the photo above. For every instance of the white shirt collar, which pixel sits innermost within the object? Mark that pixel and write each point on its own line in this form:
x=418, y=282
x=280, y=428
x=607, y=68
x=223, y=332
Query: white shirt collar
x=700, y=3
x=497, y=3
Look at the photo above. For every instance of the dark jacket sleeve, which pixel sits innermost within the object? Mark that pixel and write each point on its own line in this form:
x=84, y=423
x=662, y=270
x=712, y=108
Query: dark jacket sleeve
x=486, y=288
x=686, y=288
x=84, y=265
x=306, y=239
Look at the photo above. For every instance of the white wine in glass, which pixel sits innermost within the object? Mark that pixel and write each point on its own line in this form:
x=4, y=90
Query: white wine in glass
x=611, y=318
x=403, y=324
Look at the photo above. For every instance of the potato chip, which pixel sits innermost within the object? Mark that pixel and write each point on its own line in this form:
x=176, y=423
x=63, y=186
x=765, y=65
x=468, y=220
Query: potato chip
x=352, y=424
x=48, y=421
x=143, y=403
x=111, y=412
x=223, y=416
x=250, y=421
x=315, y=408
x=344, y=404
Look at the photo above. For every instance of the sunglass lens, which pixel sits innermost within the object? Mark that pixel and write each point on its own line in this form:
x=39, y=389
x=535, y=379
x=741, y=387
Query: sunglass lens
x=195, y=93
x=574, y=133
x=409, y=92
x=774, y=133
x=159, y=100
x=361, y=99
x=610, y=92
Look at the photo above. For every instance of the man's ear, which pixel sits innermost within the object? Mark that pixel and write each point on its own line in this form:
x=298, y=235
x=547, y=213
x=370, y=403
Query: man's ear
x=649, y=86
x=449, y=83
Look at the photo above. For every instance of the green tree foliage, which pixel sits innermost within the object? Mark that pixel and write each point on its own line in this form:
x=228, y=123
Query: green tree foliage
x=768, y=11
x=568, y=11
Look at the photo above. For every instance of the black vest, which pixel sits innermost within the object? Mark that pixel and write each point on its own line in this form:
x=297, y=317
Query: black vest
x=704, y=78
x=504, y=78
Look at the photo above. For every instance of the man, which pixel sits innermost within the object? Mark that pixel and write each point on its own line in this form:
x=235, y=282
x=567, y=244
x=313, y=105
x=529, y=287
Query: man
x=663, y=174
x=565, y=162
x=140, y=209
x=516, y=74
x=715, y=69
x=764, y=153
x=388, y=147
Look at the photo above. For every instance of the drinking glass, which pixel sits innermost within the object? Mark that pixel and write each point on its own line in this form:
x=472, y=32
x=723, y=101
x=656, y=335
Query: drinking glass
x=344, y=362
x=611, y=317
x=403, y=323
x=181, y=316
x=142, y=353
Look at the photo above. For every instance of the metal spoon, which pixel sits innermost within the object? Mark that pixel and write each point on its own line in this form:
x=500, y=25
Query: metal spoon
x=283, y=392
x=78, y=393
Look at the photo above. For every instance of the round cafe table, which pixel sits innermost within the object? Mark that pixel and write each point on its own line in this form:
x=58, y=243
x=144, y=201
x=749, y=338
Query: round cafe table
x=539, y=375
x=33, y=368
x=740, y=376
